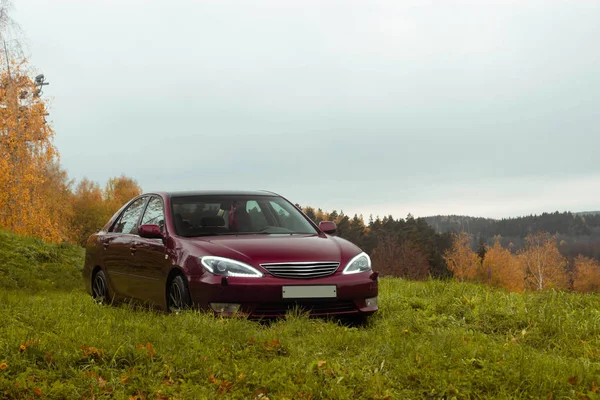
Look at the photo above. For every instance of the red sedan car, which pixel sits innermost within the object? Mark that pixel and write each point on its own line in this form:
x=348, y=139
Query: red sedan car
x=253, y=254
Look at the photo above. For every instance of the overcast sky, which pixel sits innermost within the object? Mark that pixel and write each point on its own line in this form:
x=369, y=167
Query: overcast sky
x=483, y=108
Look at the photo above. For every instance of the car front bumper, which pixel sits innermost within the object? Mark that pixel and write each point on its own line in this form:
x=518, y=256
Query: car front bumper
x=263, y=297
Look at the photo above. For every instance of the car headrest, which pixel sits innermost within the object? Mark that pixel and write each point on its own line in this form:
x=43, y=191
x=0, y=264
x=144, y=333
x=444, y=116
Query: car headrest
x=212, y=221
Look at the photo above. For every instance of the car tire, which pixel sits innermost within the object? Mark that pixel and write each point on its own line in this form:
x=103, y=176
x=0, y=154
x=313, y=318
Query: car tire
x=100, y=291
x=178, y=295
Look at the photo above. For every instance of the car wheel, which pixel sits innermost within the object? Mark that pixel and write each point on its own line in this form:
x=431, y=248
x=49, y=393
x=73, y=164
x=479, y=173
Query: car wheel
x=178, y=295
x=100, y=287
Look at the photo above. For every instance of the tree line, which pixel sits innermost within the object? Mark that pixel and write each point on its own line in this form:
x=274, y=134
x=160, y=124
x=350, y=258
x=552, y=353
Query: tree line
x=413, y=249
x=538, y=265
x=577, y=233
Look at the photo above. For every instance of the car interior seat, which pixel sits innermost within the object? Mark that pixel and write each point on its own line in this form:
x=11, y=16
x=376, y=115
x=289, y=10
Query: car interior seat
x=244, y=222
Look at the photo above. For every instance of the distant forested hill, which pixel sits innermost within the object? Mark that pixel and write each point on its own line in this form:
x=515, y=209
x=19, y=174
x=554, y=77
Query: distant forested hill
x=577, y=232
x=587, y=213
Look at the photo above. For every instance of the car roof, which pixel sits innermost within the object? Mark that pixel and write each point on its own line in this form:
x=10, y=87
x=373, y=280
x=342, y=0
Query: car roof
x=220, y=193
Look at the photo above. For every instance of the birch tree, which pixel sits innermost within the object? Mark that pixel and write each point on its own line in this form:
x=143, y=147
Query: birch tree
x=544, y=266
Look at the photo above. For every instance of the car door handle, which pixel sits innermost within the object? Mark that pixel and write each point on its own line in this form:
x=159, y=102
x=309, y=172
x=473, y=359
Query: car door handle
x=132, y=249
x=105, y=246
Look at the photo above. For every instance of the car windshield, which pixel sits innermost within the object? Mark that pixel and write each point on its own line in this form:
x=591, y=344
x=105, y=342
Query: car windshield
x=213, y=215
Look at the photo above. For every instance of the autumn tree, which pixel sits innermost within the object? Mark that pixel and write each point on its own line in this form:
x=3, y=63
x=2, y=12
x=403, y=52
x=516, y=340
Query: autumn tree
x=57, y=202
x=462, y=260
x=320, y=216
x=400, y=258
x=503, y=269
x=118, y=191
x=310, y=213
x=543, y=265
x=586, y=277
x=28, y=156
x=90, y=211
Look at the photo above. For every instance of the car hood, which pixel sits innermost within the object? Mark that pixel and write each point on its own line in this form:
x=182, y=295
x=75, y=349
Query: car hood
x=258, y=249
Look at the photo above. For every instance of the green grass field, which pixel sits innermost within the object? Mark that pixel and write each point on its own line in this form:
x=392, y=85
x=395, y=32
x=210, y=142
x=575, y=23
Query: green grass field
x=430, y=340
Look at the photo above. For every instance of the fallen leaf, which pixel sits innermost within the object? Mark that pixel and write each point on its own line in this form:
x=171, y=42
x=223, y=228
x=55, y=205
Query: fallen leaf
x=573, y=380
x=101, y=382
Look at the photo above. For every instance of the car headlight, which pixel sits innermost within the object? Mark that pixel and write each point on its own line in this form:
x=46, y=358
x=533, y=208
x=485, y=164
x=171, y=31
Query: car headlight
x=228, y=267
x=360, y=263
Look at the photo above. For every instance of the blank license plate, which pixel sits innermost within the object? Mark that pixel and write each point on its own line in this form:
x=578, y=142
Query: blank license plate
x=309, y=292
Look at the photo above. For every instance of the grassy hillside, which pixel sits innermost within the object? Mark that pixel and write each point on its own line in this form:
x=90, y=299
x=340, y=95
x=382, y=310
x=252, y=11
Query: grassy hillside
x=430, y=340
x=31, y=264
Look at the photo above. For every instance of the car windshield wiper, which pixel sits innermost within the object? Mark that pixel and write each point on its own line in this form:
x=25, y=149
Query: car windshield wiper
x=205, y=234
x=277, y=233
x=248, y=233
x=252, y=233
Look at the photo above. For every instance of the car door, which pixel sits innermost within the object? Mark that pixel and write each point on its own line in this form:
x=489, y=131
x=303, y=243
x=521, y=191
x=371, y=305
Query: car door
x=119, y=247
x=150, y=264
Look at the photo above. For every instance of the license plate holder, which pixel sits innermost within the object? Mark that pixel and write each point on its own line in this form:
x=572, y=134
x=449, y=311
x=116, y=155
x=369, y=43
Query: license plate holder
x=309, y=292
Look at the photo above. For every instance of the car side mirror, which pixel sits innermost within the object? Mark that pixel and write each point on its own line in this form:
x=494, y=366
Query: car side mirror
x=150, y=231
x=328, y=227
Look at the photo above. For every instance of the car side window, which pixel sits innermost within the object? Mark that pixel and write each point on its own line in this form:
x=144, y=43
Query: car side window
x=127, y=223
x=154, y=213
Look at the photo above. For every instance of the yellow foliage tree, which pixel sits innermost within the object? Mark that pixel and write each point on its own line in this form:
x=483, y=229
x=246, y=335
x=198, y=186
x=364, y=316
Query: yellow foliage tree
x=543, y=265
x=27, y=155
x=320, y=215
x=462, y=261
x=586, y=275
x=503, y=269
x=118, y=191
x=57, y=202
x=89, y=209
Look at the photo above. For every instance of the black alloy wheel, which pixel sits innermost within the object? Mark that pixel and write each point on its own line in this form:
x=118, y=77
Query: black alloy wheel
x=178, y=295
x=100, y=287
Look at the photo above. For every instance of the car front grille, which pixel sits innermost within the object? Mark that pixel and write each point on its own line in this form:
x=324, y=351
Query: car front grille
x=301, y=270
